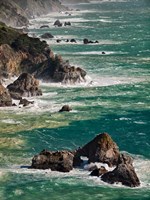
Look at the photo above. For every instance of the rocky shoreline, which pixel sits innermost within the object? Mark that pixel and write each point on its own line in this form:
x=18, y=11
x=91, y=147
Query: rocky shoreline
x=102, y=149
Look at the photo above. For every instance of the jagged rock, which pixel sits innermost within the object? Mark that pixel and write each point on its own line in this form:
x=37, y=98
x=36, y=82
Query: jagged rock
x=44, y=26
x=5, y=98
x=124, y=173
x=57, y=23
x=65, y=108
x=25, y=102
x=58, y=40
x=99, y=171
x=25, y=85
x=47, y=36
x=85, y=41
x=101, y=149
x=67, y=24
x=56, y=161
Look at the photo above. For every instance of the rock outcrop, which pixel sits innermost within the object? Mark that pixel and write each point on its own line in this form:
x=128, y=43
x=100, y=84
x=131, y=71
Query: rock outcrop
x=20, y=53
x=26, y=85
x=65, y=108
x=47, y=36
x=5, y=98
x=101, y=149
x=124, y=173
x=56, y=161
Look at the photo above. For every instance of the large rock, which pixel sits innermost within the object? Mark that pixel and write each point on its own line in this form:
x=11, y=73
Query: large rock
x=56, y=161
x=101, y=149
x=124, y=173
x=26, y=85
x=47, y=36
x=58, y=23
x=5, y=98
x=65, y=108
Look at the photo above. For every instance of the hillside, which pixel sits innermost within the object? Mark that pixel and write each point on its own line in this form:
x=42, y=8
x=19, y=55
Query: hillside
x=16, y=13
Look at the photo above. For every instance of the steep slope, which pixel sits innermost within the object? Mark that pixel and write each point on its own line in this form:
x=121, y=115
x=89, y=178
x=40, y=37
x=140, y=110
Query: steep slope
x=16, y=13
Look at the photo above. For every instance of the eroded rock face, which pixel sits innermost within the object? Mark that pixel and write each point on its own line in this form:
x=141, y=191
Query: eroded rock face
x=101, y=149
x=26, y=85
x=99, y=171
x=124, y=173
x=56, y=161
x=5, y=98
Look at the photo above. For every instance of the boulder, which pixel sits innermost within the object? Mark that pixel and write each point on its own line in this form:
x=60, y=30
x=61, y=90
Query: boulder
x=25, y=102
x=44, y=26
x=73, y=41
x=101, y=149
x=99, y=171
x=25, y=85
x=5, y=98
x=85, y=41
x=47, y=36
x=55, y=160
x=124, y=173
x=67, y=24
x=65, y=108
x=57, y=23
x=58, y=40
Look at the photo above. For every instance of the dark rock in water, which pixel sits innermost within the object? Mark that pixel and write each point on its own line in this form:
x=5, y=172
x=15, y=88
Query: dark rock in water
x=85, y=41
x=65, y=108
x=73, y=41
x=124, y=173
x=25, y=85
x=67, y=40
x=99, y=171
x=44, y=26
x=103, y=52
x=58, y=40
x=56, y=161
x=47, y=36
x=101, y=149
x=67, y=24
x=57, y=23
x=25, y=102
x=5, y=98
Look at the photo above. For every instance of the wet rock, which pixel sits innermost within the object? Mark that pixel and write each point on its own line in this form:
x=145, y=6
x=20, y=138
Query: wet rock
x=47, y=36
x=101, y=149
x=73, y=41
x=65, y=108
x=124, y=173
x=57, y=23
x=25, y=85
x=5, y=98
x=25, y=102
x=44, y=26
x=55, y=160
x=85, y=41
x=67, y=24
x=99, y=171
x=58, y=40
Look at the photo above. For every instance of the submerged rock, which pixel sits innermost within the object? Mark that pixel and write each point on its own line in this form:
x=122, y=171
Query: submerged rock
x=101, y=149
x=57, y=23
x=5, y=98
x=44, y=26
x=124, y=173
x=25, y=85
x=55, y=160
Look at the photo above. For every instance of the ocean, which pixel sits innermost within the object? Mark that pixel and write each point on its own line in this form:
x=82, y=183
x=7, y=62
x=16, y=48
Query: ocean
x=115, y=98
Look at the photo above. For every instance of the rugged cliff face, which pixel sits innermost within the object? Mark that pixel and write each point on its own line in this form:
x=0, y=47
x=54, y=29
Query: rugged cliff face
x=16, y=13
x=20, y=53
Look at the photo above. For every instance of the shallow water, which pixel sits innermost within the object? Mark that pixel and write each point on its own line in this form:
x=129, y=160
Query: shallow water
x=114, y=99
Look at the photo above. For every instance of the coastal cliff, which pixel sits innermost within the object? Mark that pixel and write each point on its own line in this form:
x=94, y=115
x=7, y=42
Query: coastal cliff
x=20, y=53
x=17, y=13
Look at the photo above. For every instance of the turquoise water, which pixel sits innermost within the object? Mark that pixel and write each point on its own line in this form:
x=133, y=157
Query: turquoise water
x=114, y=99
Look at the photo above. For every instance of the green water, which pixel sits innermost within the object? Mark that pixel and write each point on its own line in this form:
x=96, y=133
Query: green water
x=117, y=101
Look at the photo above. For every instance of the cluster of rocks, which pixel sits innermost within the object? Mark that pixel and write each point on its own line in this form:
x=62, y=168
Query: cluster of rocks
x=85, y=41
x=101, y=149
x=60, y=24
x=25, y=86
